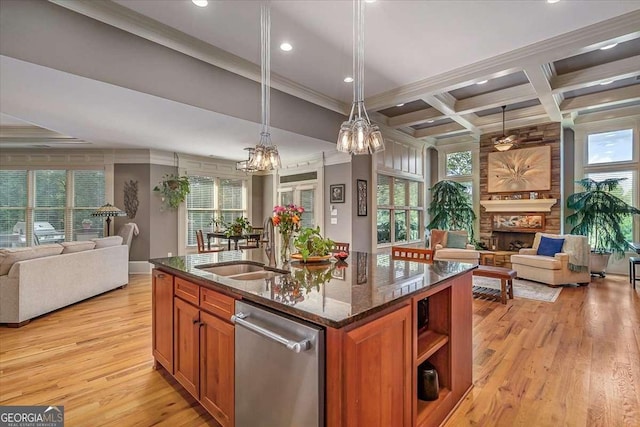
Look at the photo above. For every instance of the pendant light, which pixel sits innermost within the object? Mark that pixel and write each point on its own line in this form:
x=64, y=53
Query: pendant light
x=504, y=143
x=357, y=135
x=265, y=156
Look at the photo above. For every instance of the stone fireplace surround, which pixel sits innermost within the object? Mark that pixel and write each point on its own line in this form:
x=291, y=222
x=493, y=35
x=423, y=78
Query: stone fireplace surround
x=542, y=134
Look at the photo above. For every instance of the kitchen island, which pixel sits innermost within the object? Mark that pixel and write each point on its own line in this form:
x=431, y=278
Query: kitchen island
x=367, y=308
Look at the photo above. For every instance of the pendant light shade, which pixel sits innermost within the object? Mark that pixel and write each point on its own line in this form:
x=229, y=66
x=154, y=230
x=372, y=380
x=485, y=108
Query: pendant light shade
x=357, y=135
x=265, y=156
x=504, y=143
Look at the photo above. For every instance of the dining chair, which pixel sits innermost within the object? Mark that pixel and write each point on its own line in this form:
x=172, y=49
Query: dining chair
x=340, y=247
x=201, y=246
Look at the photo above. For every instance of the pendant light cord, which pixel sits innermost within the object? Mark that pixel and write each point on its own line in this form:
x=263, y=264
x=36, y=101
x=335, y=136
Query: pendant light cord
x=265, y=60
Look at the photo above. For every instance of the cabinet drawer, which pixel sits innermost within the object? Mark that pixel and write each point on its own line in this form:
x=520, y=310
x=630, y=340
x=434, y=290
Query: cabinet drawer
x=217, y=303
x=186, y=290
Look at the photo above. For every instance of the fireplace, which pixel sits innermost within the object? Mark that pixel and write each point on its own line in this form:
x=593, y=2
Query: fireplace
x=511, y=240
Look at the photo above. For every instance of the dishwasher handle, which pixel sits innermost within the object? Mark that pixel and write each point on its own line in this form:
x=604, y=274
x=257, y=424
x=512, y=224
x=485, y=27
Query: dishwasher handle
x=295, y=346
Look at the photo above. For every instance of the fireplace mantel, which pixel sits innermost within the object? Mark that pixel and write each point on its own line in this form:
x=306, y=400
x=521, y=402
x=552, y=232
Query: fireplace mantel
x=522, y=205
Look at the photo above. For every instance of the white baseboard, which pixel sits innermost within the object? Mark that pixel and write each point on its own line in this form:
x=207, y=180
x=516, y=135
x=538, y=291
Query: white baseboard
x=139, y=267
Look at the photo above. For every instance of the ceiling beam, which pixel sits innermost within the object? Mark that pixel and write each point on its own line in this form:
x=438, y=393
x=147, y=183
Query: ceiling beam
x=608, y=115
x=439, y=130
x=621, y=69
x=494, y=99
x=414, y=118
x=621, y=28
x=537, y=111
x=445, y=103
x=539, y=76
x=601, y=99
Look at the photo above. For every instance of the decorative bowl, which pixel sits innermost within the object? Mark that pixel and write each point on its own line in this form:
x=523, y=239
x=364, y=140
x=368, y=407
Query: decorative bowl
x=341, y=255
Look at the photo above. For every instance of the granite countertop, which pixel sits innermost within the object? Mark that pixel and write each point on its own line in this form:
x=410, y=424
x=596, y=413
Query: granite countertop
x=332, y=293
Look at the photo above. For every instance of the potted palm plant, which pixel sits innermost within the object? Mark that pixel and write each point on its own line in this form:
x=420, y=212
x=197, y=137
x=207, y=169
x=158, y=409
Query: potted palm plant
x=599, y=214
x=451, y=208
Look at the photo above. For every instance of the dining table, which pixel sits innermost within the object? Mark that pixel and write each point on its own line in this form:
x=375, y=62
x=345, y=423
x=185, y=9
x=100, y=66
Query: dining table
x=249, y=237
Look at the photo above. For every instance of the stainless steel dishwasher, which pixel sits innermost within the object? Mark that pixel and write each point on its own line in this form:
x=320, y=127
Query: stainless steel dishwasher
x=279, y=370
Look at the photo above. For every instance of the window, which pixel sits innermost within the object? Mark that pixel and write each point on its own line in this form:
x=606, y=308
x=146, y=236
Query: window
x=60, y=210
x=611, y=154
x=210, y=197
x=13, y=207
x=610, y=147
x=625, y=192
x=459, y=164
x=399, y=206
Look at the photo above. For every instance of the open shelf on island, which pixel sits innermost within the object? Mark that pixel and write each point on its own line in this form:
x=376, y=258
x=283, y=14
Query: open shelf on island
x=425, y=408
x=428, y=343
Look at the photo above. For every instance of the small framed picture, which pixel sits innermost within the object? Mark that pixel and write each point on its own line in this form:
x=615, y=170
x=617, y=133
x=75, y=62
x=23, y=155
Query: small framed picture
x=361, y=185
x=338, y=273
x=336, y=193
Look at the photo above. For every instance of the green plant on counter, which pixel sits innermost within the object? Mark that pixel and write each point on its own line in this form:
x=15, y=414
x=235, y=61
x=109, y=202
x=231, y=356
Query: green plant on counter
x=173, y=189
x=239, y=227
x=310, y=242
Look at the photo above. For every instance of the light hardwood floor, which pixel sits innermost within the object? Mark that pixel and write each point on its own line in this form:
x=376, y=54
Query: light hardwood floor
x=575, y=362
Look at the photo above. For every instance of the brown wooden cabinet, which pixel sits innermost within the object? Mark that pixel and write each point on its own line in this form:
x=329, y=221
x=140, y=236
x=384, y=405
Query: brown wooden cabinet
x=368, y=376
x=194, y=339
x=217, y=368
x=162, y=319
x=186, y=346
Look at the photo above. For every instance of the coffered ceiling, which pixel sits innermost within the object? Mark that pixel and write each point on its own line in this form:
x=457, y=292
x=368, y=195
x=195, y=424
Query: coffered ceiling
x=543, y=61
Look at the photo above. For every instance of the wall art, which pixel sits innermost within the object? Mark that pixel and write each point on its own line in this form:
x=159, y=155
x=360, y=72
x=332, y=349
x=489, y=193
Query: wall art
x=526, y=169
x=361, y=186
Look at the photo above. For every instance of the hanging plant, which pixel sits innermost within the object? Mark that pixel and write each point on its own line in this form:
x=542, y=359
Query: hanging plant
x=173, y=189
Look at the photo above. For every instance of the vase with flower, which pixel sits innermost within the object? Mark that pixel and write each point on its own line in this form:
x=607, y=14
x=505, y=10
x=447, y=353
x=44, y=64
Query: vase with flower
x=287, y=219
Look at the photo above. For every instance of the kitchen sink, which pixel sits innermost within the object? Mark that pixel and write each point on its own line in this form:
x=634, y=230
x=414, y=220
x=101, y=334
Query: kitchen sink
x=241, y=271
x=232, y=269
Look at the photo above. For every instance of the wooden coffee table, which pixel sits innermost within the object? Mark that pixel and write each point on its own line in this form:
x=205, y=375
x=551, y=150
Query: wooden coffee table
x=506, y=277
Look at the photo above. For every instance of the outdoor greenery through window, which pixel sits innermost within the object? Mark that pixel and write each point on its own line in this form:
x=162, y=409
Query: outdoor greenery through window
x=61, y=206
x=399, y=210
x=211, y=197
x=459, y=164
x=608, y=156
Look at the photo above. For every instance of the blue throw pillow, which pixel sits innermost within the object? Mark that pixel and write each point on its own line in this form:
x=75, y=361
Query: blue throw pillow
x=550, y=247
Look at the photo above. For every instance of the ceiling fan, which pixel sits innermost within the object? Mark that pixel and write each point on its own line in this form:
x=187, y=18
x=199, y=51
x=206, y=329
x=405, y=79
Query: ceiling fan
x=504, y=142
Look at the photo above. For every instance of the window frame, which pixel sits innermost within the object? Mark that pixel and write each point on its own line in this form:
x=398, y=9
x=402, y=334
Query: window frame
x=406, y=207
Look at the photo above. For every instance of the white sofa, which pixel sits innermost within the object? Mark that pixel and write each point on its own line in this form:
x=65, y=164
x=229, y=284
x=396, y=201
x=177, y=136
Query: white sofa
x=566, y=267
x=49, y=281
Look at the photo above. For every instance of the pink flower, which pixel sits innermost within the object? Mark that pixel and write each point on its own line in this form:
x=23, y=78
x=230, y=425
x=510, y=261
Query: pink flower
x=301, y=209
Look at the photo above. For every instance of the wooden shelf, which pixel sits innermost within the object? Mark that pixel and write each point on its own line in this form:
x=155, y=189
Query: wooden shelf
x=425, y=408
x=428, y=343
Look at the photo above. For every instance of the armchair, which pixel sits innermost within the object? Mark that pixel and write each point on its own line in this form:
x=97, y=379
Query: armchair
x=446, y=247
x=571, y=265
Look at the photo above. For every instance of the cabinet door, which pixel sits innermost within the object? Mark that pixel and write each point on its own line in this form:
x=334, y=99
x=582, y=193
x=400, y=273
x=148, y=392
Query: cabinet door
x=162, y=319
x=217, y=368
x=378, y=372
x=186, y=345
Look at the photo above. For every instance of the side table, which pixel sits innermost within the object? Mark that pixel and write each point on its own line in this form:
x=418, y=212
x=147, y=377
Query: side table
x=487, y=258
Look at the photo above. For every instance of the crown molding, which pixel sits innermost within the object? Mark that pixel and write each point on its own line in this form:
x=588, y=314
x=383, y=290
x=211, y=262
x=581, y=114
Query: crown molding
x=135, y=23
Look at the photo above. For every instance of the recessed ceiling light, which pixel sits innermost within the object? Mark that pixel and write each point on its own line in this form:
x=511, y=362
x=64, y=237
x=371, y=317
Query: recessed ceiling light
x=348, y=79
x=481, y=82
x=609, y=46
x=552, y=1
x=430, y=121
x=369, y=1
x=201, y=3
x=606, y=82
x=286, y=46
x=399, y=105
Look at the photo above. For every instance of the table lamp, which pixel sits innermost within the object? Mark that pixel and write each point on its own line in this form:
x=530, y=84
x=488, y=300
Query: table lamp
x=108, y=210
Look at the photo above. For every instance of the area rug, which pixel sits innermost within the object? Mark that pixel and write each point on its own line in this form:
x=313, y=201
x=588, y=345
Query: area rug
x=521, y=288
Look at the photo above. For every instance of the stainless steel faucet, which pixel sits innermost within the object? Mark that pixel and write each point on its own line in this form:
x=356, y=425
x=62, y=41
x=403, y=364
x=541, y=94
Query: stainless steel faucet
x=268, y=236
